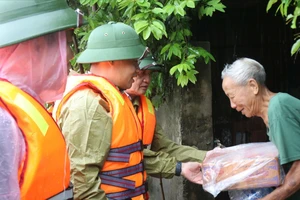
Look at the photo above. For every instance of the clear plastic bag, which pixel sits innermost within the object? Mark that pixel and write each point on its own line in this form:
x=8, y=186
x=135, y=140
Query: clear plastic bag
x=245, y=166
x=251, y=194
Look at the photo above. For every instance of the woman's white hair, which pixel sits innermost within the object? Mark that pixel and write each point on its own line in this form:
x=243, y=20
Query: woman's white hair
x=244, y=69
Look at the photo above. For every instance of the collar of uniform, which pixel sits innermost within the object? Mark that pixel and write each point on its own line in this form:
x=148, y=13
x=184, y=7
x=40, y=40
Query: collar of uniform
x=136, y=102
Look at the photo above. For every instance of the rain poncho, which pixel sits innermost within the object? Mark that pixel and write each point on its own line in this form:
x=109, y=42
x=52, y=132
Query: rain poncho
x=39, y=67
x=12, y=148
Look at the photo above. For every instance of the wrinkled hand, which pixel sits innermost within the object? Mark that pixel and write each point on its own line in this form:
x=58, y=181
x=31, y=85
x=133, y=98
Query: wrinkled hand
x=192, y=172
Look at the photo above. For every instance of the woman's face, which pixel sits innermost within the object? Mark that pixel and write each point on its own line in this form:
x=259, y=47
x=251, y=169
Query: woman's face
x=242, y=98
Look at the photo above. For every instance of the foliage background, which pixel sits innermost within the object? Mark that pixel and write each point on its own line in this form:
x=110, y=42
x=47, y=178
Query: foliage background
x=290, y=10
x=164, y=26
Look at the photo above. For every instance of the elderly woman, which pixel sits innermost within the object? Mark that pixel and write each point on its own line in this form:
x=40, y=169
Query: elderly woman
x=244, y=84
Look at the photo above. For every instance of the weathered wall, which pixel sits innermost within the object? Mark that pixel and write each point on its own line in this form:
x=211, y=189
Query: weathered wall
x=186, y=118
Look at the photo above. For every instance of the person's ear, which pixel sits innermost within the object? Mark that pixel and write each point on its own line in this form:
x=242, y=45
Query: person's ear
x=253, y=86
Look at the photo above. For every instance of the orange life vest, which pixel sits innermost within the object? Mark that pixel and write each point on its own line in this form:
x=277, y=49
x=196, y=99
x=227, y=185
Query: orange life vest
x=45, y=170
x=123, y=174
x=146, y=115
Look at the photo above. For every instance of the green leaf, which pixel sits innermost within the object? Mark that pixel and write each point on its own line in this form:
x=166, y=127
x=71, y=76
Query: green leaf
x=173, y=35
x=207, y=56
x=159, y=4
x=169, y=9
x=285, y=8
x=162, y=29
x=129, y=10
x=179, y=36
x=140, y=26
x=190, y=4
x=270, y=4
x=191, y=76
x=144, y=4
x=209, y=11
x=165, y=48
x=158, y=10
x=294, y=21
x=179, y=10
x=176, y=50
x=295, y=47
x=191, y=56
x=213, y=2
x=92, y=2
x=180, y=67
x=159, y=24
x=140, y=16
x=201, y=12
x=186, y=67
x=290, y=16
x=206, y=60
x=220, y=7
x=157, y=33
x=170, y=53
x=187, y=32
x=184, y=80
x=84, y=2
x=183, y=4
x=281, y=9
x=211, y=57
x=173, y=70
x=123, y=4
x=179, y=79
x=146, y=33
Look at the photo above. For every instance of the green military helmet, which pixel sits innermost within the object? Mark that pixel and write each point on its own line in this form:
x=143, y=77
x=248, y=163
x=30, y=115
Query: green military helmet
x=112, y=41
x=21, y=20
x=149, y=63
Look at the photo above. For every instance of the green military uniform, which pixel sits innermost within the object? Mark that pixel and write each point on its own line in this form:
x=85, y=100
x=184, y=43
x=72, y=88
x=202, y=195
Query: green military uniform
x=88, y=131
x=84, y=118
x=87, y=127
x=161, y=159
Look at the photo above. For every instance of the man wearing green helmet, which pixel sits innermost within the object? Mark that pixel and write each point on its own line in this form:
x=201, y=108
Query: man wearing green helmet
x=33, y=70
x=165, y=156
x=100, y=126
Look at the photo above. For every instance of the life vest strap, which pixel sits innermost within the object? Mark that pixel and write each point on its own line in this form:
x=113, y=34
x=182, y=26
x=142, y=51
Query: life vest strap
x=125, y=171
x=118, y=157
x=138, y=146
x=64, y=195
x=122, y=154
x=115, y=177
x=127, y=194
x=118, y=182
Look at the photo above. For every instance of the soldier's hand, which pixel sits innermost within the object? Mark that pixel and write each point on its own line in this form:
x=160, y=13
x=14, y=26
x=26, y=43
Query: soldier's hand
x=192, y=172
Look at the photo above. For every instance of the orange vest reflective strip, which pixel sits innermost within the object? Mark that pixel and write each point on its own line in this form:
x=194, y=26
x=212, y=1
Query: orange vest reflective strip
x=46, y=168
x=123, y=134
x=146, y=115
